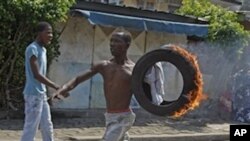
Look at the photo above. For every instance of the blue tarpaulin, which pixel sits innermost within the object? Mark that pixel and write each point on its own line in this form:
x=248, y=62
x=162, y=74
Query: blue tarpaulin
x=115, y=20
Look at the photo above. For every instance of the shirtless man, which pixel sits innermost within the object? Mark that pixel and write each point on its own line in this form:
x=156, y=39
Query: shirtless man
x=116, y=74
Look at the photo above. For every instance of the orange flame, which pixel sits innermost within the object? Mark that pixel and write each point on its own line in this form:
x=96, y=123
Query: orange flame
x=196, y=95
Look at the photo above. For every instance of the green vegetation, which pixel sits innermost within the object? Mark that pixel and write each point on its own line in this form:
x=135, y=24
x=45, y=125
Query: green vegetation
x=18, y=19
x=224, y=27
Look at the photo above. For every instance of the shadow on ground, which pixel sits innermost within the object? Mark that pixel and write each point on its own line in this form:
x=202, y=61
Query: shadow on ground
x=95, y=118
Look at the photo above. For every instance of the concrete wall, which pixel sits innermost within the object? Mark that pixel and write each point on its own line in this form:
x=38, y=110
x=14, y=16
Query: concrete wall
x=76, y=56
x=82, y=44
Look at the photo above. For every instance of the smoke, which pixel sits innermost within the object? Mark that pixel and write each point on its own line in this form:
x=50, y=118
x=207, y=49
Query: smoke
x=219, y=66
x=218, y=62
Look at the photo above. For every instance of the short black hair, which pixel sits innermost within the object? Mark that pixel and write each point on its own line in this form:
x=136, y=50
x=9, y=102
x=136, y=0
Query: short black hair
x=41, y=26
x=125, y=35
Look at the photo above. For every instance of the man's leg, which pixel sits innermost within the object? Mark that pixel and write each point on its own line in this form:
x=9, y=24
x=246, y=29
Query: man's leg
x=126, y=137
x=112, y=131
x=127, y=124
x=116, y=130
x=46, y=123
x=33, y=109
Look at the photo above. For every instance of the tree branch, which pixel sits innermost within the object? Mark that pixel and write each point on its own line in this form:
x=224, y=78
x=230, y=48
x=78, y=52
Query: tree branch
x=9, y=75
x=5, y=65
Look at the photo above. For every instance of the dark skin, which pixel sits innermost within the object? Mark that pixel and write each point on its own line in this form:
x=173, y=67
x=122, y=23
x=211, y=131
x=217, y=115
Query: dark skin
x=43, y=38
x=116, y=74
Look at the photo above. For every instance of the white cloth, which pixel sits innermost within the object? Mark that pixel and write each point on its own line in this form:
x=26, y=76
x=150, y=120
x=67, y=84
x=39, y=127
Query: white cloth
x=117, y=126
x=155, y=78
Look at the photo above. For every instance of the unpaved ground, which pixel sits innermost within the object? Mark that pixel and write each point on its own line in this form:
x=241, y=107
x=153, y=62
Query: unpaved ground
x=67, y=127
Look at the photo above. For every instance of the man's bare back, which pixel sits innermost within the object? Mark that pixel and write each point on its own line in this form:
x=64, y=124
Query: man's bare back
x=117, y=84
x=116, y=73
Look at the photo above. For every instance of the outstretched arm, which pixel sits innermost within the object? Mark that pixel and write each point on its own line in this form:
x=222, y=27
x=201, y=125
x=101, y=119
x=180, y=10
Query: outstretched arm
x=76, y=81
x=79, y=79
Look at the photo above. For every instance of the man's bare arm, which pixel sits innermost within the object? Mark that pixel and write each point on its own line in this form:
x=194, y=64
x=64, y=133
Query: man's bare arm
x=79, y=79
x=38, y=76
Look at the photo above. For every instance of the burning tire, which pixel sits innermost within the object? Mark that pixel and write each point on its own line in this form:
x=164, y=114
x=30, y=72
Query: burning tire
x=192, y=80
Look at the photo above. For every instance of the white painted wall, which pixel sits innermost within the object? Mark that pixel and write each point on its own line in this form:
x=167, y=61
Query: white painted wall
x=82, y=44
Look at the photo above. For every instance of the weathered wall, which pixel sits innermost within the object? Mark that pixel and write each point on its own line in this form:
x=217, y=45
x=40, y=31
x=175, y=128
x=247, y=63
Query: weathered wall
x=82, y=44
x=76, y=56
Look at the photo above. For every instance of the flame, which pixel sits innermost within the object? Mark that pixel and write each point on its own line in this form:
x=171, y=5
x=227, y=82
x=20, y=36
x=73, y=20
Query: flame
x=196, y=95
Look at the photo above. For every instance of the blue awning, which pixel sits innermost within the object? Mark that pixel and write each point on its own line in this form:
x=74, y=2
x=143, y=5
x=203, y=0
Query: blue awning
x=115, y=20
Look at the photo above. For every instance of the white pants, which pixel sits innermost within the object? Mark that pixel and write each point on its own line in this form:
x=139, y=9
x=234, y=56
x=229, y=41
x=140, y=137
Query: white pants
x=117, y=125
x=37, y=111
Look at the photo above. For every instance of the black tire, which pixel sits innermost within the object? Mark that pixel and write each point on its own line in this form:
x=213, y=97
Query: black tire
x=169, y=55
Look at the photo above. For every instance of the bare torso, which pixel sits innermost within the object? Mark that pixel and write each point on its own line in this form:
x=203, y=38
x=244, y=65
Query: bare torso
x=117, y=84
